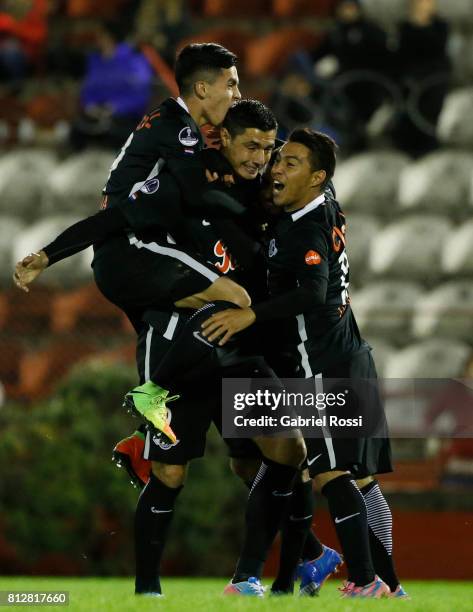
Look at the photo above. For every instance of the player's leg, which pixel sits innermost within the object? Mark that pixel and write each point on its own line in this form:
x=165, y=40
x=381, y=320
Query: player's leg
x=153, y=517
x=223, y=289
x=295, y=529
x=380, y=525
x=190, y=420
x=266, y=506
x=376, y=460
x=332, y=462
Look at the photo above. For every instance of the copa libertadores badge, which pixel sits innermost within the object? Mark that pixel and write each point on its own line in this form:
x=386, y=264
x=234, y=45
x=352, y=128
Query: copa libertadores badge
x=187, y=138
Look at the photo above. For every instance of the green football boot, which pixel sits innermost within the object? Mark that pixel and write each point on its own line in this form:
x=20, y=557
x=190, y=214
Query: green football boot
x=148, y=401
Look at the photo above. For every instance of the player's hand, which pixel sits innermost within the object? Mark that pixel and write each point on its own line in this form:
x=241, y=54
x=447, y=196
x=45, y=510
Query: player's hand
x=227, y=323
x=29, y=268
x=211, y=176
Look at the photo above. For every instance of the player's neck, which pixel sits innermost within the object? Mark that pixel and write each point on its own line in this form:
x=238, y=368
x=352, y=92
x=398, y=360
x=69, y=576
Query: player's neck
x=195, y=110
x=303, y=202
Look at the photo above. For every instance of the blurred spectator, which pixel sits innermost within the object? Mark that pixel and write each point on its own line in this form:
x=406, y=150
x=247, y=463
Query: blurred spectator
x=348, y=72
x=163, y=23
x=115, y=92
x=23, y=31
x=424, y=69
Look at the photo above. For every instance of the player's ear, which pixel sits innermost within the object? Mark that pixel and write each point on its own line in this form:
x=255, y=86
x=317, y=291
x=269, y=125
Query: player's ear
x=200, y=89
x=318, y=177
x=225, y=137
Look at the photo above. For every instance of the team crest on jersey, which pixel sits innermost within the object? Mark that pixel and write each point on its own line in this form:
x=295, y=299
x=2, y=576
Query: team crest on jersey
x=272, y=250
x=150, y=186
x=187, y=138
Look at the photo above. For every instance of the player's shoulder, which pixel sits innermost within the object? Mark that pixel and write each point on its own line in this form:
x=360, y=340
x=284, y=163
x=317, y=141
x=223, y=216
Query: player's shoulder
x=170, y=124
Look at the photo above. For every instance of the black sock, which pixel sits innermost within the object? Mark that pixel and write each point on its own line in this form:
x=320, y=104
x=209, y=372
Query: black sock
x=312, y=547
x=294, y=530
x=348, y=510
x=380, y=523
x=265, y=509
x=189, y=348
x=153, y=516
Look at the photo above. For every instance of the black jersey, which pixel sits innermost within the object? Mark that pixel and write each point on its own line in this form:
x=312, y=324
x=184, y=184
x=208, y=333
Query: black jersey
x=168, y=133
x=309, y=277
x=232, y=245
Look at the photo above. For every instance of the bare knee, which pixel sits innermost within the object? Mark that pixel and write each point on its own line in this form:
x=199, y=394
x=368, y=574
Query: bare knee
x=320, y=480
x=172, y=476
x=246, y=469
x=287, y=451
x=362, y=482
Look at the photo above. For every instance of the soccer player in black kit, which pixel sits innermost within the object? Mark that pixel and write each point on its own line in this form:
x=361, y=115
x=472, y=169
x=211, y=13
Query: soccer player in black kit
x=308, y=280
x=137, y=264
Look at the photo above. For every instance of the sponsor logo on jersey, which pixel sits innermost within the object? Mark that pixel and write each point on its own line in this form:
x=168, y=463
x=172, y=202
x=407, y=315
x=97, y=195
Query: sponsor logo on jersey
x=272, y=250
x=312, y=258
x=150, y=186
x=187, y=138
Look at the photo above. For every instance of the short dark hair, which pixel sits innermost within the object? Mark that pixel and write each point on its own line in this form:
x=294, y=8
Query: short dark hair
x=201, y=61
x=246, y=114
x=322, y=150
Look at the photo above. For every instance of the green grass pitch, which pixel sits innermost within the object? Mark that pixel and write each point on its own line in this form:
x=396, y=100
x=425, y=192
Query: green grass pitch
x=202, y=594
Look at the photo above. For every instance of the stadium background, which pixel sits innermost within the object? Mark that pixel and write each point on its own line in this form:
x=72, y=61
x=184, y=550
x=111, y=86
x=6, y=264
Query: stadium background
x=67, y=355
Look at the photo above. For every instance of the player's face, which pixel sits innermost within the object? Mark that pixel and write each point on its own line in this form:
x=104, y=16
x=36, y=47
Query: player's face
x=248, y=153
x=294, y=181
x=220, y=95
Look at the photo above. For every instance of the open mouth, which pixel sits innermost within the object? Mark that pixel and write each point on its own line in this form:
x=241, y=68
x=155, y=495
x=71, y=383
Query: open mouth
x=278, y=186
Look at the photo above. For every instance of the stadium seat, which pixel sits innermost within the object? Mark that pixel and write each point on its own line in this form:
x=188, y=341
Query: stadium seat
x=385, y=308
x=235, y=39
x=461, y=53
x=368, y=182
x=361, y=229
x=106, y=9
x=85, y=308
x=447, y=311
x=303, y=8
x=457, y=255
x=457, y=12
x=10, y=228
x=436, y=358
x=420, y=187
x=455, y=124
x=22, y=177
x=242, y=8
x=410, y=248
x=267, y=55
x=75, y=186
x=385, y=12
x=65, y=273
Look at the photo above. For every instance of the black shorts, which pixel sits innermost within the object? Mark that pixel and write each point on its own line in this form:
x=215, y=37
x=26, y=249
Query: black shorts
x=200, y=401
x=137, y=275
x=191, y=415
x=363, y=456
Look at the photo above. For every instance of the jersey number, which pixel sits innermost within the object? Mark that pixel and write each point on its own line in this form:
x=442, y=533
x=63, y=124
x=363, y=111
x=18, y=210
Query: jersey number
x=343, y=261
